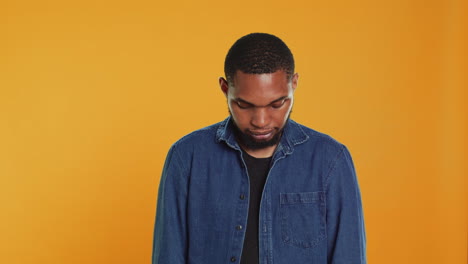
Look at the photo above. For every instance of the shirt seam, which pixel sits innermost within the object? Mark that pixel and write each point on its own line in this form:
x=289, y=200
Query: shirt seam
x=184, y=170
x=333, y=167
x=179, y=159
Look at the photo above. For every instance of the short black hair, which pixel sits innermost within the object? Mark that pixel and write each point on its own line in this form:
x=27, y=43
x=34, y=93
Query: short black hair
x=258, y=53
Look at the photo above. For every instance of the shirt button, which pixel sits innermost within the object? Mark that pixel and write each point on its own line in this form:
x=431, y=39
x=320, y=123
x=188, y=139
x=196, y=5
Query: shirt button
x=233, y=259
x=242, y=197
x=239, y=227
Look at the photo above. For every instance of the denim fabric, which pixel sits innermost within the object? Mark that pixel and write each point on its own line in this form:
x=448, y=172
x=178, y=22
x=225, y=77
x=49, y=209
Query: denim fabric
x=310, y=211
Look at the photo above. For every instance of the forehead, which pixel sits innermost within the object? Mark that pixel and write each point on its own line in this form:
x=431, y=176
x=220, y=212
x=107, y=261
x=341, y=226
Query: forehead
x=260, y=88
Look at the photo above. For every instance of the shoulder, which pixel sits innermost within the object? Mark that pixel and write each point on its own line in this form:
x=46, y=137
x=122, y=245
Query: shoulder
x=205, y=136
x=319, y=140
x=330, y=152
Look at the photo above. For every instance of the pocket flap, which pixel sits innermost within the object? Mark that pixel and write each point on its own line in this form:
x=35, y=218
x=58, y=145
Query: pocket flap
x=304, y=197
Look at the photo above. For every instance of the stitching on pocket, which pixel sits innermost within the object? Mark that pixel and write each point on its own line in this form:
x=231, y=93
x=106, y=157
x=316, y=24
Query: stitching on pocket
x=293, y=198
x=306, y=209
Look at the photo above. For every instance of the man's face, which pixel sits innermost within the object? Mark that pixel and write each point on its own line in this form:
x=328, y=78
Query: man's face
x=260, y=105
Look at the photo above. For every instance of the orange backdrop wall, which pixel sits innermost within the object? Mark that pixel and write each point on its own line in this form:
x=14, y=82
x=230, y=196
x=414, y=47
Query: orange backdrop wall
x=93, y=93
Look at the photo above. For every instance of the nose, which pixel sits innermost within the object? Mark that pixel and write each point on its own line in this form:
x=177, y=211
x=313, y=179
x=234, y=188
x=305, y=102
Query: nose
x=260, y=118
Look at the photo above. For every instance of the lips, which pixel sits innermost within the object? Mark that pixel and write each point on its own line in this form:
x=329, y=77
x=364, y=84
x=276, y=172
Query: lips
x=264, y=134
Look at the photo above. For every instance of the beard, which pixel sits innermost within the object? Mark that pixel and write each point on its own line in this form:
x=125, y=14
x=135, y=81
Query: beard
x=248, y=141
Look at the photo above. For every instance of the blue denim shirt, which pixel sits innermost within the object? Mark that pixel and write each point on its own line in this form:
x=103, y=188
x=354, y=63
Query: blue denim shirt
x=310, y=211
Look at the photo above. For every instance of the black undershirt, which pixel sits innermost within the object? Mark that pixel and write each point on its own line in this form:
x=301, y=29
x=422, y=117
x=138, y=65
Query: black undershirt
x=258, y=170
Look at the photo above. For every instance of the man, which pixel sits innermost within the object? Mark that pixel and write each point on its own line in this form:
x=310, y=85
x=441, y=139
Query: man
x=259, y=187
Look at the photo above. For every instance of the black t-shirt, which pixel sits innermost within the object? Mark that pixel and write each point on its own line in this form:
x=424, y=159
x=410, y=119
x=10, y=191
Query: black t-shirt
x=258, y=170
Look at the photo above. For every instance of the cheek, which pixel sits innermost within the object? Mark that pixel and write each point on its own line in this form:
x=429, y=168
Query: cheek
x=283, y=113
x=242, y=118
x=281, y=117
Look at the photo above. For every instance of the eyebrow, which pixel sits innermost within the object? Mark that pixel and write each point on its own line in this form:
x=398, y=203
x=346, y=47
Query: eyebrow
x=272, y=102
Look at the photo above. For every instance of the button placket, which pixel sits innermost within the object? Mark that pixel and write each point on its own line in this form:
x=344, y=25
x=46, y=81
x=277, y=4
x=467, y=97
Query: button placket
x=241, y=216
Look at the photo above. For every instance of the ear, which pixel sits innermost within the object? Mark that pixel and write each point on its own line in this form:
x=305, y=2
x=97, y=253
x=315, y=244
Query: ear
x=294, y=80
x=223, y=84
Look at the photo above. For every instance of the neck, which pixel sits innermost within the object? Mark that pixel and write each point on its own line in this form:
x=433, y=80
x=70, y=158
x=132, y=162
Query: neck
x=261, y=153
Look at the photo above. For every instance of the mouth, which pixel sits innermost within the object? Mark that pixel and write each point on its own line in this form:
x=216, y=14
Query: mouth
x=261, y=135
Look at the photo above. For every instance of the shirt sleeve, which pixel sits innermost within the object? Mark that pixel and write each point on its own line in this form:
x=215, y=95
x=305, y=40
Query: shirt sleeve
x=170, y=231
x=345, y=221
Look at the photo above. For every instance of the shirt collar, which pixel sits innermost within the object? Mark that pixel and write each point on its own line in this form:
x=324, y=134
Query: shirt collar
x=292, y=135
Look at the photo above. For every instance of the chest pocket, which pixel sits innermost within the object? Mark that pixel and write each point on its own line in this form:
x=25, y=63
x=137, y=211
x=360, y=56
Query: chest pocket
x=302, y=218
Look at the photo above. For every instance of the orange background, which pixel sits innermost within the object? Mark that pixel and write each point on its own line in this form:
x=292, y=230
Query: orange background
x=92, y=94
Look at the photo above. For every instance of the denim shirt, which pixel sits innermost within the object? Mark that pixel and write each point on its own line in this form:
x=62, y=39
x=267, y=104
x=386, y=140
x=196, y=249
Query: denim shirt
x=310, y=210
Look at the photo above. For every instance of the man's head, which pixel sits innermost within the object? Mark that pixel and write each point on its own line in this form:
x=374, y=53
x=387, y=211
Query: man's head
x=259, y=86
x=258, y=53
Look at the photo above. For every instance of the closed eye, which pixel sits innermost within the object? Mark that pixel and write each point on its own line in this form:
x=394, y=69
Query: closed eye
x=243, y=105
x=275, y=104
x=279, y=104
